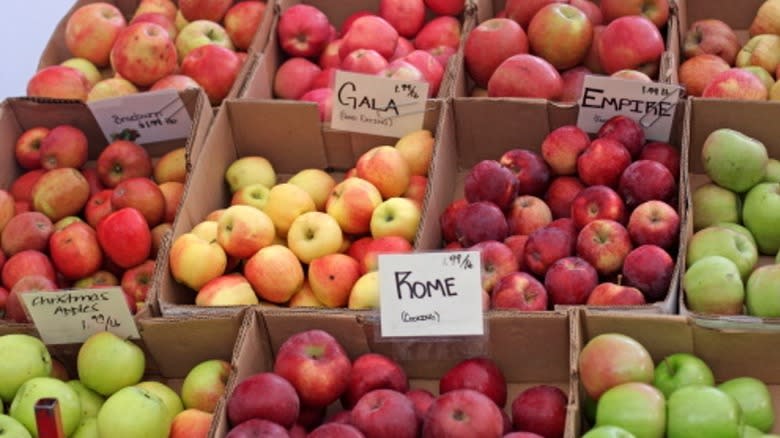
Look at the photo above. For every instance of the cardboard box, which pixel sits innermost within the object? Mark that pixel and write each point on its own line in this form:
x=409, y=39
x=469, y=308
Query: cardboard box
x=729, y=353
x=56, y=51
x=754, y=119
x=486, y=128
x=260, y=81
x=20, y=114
x=511, y=342
x=291, y=138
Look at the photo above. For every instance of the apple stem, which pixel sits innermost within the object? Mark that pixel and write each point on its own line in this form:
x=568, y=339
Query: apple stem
x=620, y=279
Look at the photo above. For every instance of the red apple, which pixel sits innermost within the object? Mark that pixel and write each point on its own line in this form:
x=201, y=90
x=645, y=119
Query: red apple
x=385, y=413
x=75, y=251
x=561, y=194
x=92, y=177
x=570, y=280
x=26, y=263
x=497, y=260
x=597, y=202
x=562, y=146
x=478, y=373
x=63, y=146
x=144, y=53
x=159, y=19
x=517, y=245
x=294, y=78
x=421, y=400
x=366, y=61
x=572, y=83
x=646, y=180
x=143, y=195
x=432, y=70
x=124, y=237
x=611, y=294
x=449, y=218
x=330, y=57
x=325, y=78
x=258, y=428
x=372, y=371
x=335, y=430
x=98, y=206
x=649, y=268
x=665, y=154
x=123, y=159
x=58, y=82
x=463, y=413
x=28, y=145
x=544, y=247
x=522, y=11
x=591, y=10
x=480, y=221
x=443, y=54
x=489, y=181
x=592, y=60
x=540, y=409
x=519, y=291
x=527, y=214
x=21, y=187
x=405, y=47
x=697, y=72
x=91, y=31
x=445, y=7
x=525, y=75
x=323, y=97
x=736, y=84
x=625, y=130
x=656, y=11
x=242, y=20
x=14, y=307
x=351, y=19
x=406, y=16
x=382, y=245
x=631, y=42
x=604, y=244
x=656, y=223
x=603, y=162
x=489, y=44
x=712, y=37
x=213, y=10
x=370, y=32
x=303, y=30
x=279, y=403
x=532, y=173
x=216, y=82
x=28, y=230
x=137, y=280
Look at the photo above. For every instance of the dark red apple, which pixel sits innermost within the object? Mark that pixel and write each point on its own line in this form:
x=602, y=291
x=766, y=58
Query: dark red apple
x=384, y=413
x=373, y=371
x=489, y=181
x=258, y=428
x=597, y=202
x=335, y=430
x=646, y=180
x=477, y=373
x=519, y=291
x=449, y=218
x=625, y=130
x=656, y=223
x=603, y=162
x=480, y=221
x=561, y=193
x=463, y=413
x=530, y=169
x=542, y=410
x=665, y=154
x=544, y=247
x=612, y=294
x=279, y=402
x=570, y=280
x=649, y=268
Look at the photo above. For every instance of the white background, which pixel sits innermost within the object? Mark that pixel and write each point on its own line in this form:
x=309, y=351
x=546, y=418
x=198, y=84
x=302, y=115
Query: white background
x=25, y=28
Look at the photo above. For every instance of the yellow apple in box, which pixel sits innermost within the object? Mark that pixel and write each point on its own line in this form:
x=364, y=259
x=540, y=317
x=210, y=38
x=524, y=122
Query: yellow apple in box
x=227, y=290
x=274, y=273
x=417, y=149
x=304, y=297
x=110, y=88
x=331, y=278
x=317, y=183
x=314, y=234
x=85, y=66
x=166, y=8
x=767, y=19
x=365, y=292
x=206, y=230
x=254, y=195
x=761, y=50
x=351, y=203
x=396, y=217
x=180, y=21
x=243, y=230
x=195, y=261
x=250, y=170
x=285, y=203
x=386, y=169
x=172, y=166
x=205, y=384
x=168, y=396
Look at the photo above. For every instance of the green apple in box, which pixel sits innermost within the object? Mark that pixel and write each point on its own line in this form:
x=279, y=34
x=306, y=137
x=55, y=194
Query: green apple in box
x=713, y=204
x=702, y=411
x=90, y=400
x=24, y=357
x=713, y=285
x=681, y=369
x=134, y=412
x=87, y=429
x=23, y=406
x=761, y=213
x=107, y=363
x=726, y=243
x=733, y=160
x=739, y=229
x=754, y=400
x=636, y=407
x=10, y=428
x=772, y=171
x=608, y=432
x=762, y=292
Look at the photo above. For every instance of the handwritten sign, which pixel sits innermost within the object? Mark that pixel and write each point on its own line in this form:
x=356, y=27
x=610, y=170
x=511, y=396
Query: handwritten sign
x=71, y=316
x=144, y=117
x=652, y=104
x=377, y=105
x=430, y=294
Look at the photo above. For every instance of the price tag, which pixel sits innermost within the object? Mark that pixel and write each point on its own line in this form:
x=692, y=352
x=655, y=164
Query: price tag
x=71, y=316
x=377, y=105
x=146, y=117
x=652, y=104
x=430, y=294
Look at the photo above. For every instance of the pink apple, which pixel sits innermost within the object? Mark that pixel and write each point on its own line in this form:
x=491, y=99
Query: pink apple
x=432, y=70
x=330, y=58
x=489, y=44
x=22, y=264
x=443, y=54
x=303, y=30
x=532, y=173
x=591, y=10
x=604, y=244
x=519, y=291
x=91, y=30
x=561, y=194
x=525, y=76
x=603, y=162
x=403, y=48
x=631, y=42
x=441, y=31
x=242, y=20
x=347, y=23
x=497, y=260
x=294, y=77
x=561, y=148
x=656, y=223
x=370, y=32
x=713, y=37
x=324, y=79
x=406, y=16
x=366, y=61
x=385, y=413
x=649, y=268
x=570, y=280
x=402, y=70
x=58, y=82
x=597, y=202
x=646, y=180
x=479, y=374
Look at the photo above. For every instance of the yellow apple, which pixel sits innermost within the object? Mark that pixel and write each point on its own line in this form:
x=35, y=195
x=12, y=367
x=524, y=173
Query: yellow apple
x=194, y=261
x=227, y=290
x=304, y=298
x=365, y=292
x=110, y=88
x=314, y=234
x=761, y=50
x=351, y=203
x=386, y=169
x=274, y=273
x=417, y=149
x=285, y=203
x=85, y=66
x=172, y=166
x=243, y=230
x=316, y=183
x=180, y=21
x=172, y=192
x=255, y=195
x=206, y=230
x=250, y=170
x=331, y=278
x=396, y=217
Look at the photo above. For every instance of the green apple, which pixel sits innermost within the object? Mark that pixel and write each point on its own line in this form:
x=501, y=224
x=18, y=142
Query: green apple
x=739, y=229
x=772, y=171
x=733, y=160
x=759, y=214
x=90, y=400
x=205, y=384
x=10, y=428
x=636, y=407
x=747, y=431
x=87, y=429
x=23, y=406
x=23, y=357
x=166, y=394
x=705, y=411
x=681, y=369
x=713, y=285
x=250, y=170
x=608, y=432
x=134, y=412
x=712, y=204
x=107, y=363
x=762, y=292
x=723, y=242
x=754, y=399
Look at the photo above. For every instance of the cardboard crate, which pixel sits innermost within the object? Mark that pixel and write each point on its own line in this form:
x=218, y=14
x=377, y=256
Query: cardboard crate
x=754, y=119
x=487, y=9
x=729, y=353
x=511, y=342
x=486, y=128
x=20, y=114
x=290, y=136
x=260, y=81
x=56, y=51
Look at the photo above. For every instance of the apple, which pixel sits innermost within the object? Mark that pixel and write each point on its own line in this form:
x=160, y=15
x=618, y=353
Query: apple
x=175, y=82
x=604, y=243
x=561, y=147
x=330, y=58
x=323, y=97
x=479, y=374
x=314, y=234
x=665, y=154
x=525, y=75
x=172, y=192
x=123, y=159
x=226, y=290
x=215, y=82
x=655, y=223
x=570, y=280
x=286, y=202
x=23, y=406
x=331, y=278
x=480, y=221
x=142, y=194
x=243, y=230
x=636, y=407
x=772, y=171
x=98, y=279
x=28, y=145
x=646, y=180
x=754, y=401
x=631, y=42
x=489, y=181
x=406, y=16
x=124, y=237
x=532, y=173
x=497, y=260
x=365, y=292
x=257, y=427
x=107, y=363
x=160, y=19
x=14, y=307
x=396, y=217
x=280, y=405
x=597, y=202
x=432, y=70
x=713, y=285
x=418, y=186
x=91, y=175
x=333, y=430
x=736, y=83
x=759, y=204
x=560, y=195
x=723, y=242
x=440, y=31
x=24, y=263
x=294, y=77
x=382, y=245
x=760, y=294
x=519, y=291
x=137, y=281
x=351, y=203
x=63, y=146
x=371, y=371
x=625, y=130
x=449, y=219
x=649, y=268
x=98, y=206
x=143, y=53
x=527, y=214
x=75, y=251
x=612, y=294
x=168, y=396
x=110, y=88
x=242, y=21
x=164, y=7
x=58, y=82
x=522, y=11
x=385, y=413
x=573, y=80
x=489, y=44
x=603, y=162
x=191, y=423
x=20, y=191
x=60, y=192
x=681, y=369
x=28, y=230
x=365, y=61
x=631, y=75
x=610, y=359
x=541, y=410
x=370, y=32
x=13, y=428
x=303, y=30
x=561, y=34
x=274, y=273
x=463, y=413
x=544, y=247
x=702, y=410
x=91, y=31
x=760, y=50
x=422, y=400
x=250, y=170
x=656, y=11
x=90, y=400
x=592, y=59
x=199, y=33
x=713, y=37
x=153, y=421
x=204, y=385
x=317, y=183
x=83, y=65
x=766, y=78
x=27, y=357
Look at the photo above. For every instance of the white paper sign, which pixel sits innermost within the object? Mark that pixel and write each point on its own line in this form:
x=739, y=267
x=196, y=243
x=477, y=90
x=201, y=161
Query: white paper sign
x=430, y=294
x=71, y=316
x=144, y=117
x=377, y=105
x=652, y=104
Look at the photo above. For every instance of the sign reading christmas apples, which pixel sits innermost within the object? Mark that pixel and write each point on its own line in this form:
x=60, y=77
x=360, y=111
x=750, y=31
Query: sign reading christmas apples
x=377, y=105
x=71, y=316
x=143, y=118
x=430, y=294
x=651, y=104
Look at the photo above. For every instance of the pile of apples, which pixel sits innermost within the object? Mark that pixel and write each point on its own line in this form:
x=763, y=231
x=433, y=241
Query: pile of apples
x=66, y=224
x=582, y=222
x=717, y=65
x=544, y=48
x=628, y=396
x=394, y=42
x=735, y=218
x=312, y=372
x=162, y=46
x=109, y=397
x=309, y=241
